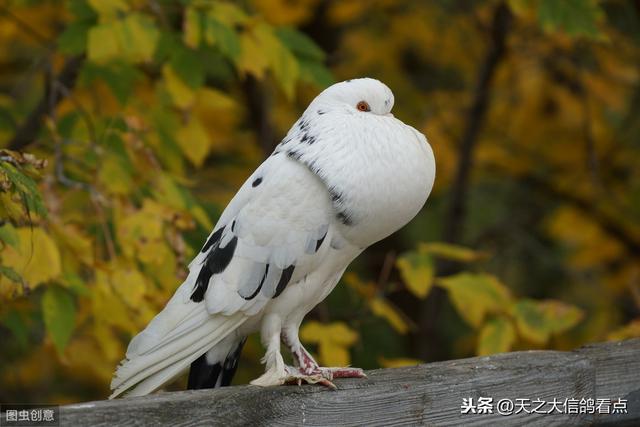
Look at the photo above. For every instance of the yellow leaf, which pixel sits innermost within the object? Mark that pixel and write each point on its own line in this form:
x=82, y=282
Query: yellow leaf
x=341, y=334
x=333, y=341
x=215, y=100
x=166, y=191
x=183, y=96
x=496, y=336
x=194, y=141
x=10, y=207
x=201, y=216
x=114, y=176
x=228, y=13
x=129, y=283
x=133, y=38
x=417, y=271
x=192, y=32
x=283, y=63
x=332, y=354
x=252, y=59
x=108, y=341
x=139, y=229
x=285, y=12
x=630, y=330
x=36, y=258
x=312, y=332
x=109, y=10
x=398, y=362
x=453, y=252
x=108, y=307
x=538, y=320
x=475, y=295
x=138, y=37
x=94, y=355
x=367, y=290
x=381, y=307
x=102, y=43
x=74, y=241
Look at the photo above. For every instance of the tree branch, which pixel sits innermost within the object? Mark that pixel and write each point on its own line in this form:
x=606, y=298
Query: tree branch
x=30, y=128
x=257, y=107
x=429, y=347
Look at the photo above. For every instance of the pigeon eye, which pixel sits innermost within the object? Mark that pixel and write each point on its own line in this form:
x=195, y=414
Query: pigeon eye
x=363, y=106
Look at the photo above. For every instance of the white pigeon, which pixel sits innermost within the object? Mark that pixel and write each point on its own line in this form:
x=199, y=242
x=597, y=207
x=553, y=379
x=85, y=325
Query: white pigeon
x=347, y=175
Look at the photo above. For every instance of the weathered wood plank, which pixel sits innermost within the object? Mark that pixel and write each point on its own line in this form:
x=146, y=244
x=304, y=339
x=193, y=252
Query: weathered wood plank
x=617, y=368
x=428, y=394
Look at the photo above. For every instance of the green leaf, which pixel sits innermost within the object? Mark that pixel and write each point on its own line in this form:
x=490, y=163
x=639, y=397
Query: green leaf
x=81, y=10
x=119, y=76
x=138, y=37
x=188, y=66
x=9, y=235
x=417, y=272
x=575, y=17
x=76, y=285
x=192, y=27
x=133, y=39
x=452, y=252
x=316, y=73
x=475, y=295
x=300, y=44
x=496, y=336
x=26, y=187
x=222, y=36
x=16, y=324
x=10, y=274
x=538, y=320
x=59, y=314
x=73, y=40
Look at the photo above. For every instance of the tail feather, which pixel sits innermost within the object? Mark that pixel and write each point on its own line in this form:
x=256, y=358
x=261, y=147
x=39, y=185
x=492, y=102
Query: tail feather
x=176, y=337
x=154, y=369
x=216, y=367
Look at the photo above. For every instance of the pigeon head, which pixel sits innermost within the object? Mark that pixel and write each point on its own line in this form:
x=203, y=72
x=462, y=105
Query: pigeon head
x=364, y=96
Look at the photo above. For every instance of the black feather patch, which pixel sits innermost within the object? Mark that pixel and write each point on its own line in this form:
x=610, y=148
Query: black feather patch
x=309, y=139
x=285, y=141
x=303, y=125
x=321, y=112
x=294, y=154
x=336, y=196
x=213, y=239
x=220, y=258
x=231, y=364
x=264, y=276
x=216, y=261
x=319, y=242
x=256, y=182
x=284, y=280
x=344, y=218
x=203, y=375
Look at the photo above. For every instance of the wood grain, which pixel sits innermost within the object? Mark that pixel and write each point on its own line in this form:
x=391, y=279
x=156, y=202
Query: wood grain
x=429, y=394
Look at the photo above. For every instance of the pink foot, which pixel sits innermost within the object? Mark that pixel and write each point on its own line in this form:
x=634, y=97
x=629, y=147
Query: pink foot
x=346, y=372
x=308, y=371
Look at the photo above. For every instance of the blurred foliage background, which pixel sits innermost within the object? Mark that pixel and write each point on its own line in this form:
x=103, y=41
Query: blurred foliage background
x=127, y=125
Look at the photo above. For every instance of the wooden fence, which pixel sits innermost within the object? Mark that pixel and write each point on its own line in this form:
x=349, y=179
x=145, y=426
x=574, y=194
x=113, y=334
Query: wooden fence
x=585, y=384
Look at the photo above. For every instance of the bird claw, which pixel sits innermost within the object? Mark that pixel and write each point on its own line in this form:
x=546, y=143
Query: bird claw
x=322, y=376
x=299, y=379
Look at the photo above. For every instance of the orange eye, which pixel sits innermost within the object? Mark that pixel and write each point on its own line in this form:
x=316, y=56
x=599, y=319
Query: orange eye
x=363, y=106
